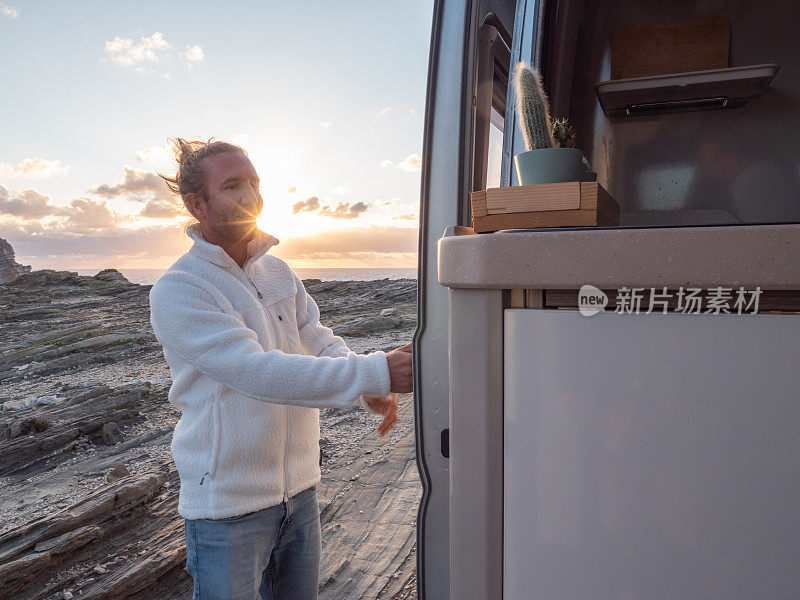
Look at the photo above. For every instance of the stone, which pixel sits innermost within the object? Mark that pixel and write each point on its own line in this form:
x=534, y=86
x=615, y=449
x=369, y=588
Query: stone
x=388, y=312
x=111, y=433
x=111, y=275
x=29, y=402
x=51, y=543
x=118, y=472
x=369, y=325
x=10, y=269
x=33, y=425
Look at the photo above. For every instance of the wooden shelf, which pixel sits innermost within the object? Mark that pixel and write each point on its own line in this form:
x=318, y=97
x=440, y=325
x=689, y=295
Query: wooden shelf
x=677, y=92
x=568, y=204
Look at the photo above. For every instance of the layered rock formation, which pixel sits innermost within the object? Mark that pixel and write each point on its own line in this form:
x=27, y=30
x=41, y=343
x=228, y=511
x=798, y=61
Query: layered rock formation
x=10, y=269
x=88, y=488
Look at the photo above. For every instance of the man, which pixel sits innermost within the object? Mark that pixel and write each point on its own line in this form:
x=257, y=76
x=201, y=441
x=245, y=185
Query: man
x=251, y=365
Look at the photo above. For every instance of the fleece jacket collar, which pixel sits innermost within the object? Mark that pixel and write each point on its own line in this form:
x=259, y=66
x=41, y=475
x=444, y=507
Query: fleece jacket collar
x=256, y=248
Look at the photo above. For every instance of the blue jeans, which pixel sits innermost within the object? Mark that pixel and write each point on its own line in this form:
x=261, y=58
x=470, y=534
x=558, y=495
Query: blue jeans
x=269, y=554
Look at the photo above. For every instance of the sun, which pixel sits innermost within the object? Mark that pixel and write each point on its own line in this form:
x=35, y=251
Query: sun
x=278, y=219
x=275, y=221
x=262, y=222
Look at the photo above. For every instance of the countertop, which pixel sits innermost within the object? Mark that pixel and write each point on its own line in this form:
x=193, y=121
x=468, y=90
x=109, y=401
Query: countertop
x=767, y=256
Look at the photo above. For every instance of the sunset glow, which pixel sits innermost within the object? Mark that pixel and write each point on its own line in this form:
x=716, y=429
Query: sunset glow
x=334, y=132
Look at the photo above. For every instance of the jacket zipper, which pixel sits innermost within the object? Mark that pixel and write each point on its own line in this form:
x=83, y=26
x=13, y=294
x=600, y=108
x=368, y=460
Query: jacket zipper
x=264, y=312
x=260, y=297
x=211, y=467
x=286, y=413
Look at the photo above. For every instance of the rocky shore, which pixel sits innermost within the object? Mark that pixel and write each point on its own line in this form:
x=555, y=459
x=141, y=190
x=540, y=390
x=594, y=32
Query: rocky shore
x=10, y=269
x=88, y=489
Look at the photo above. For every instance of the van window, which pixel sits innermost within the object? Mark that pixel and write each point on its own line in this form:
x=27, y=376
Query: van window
x=494, y=158
x=493, y=64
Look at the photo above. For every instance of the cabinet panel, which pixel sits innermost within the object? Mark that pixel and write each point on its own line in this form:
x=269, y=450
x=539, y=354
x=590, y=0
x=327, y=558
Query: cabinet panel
x=651, y=456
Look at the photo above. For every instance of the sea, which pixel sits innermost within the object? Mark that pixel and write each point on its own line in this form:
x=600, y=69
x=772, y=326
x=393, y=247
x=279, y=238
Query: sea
x=149, y=276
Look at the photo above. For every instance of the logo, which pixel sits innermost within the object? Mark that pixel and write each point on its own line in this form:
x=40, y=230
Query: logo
x=717, y=300
x=591, y=300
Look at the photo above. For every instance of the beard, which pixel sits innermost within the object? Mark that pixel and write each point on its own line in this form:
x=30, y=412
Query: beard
x=237, y=225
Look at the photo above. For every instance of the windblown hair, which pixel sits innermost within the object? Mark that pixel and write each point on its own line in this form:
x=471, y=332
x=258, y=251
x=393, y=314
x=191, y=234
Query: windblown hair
x=191, y=176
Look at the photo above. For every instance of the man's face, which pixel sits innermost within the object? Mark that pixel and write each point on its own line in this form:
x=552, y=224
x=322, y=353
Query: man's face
x=233, y=200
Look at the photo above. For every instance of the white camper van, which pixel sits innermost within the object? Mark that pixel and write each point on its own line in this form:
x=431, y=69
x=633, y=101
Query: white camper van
x=647, y=454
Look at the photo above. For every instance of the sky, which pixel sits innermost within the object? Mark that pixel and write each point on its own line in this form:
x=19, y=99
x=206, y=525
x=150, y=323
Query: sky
x=327, y=98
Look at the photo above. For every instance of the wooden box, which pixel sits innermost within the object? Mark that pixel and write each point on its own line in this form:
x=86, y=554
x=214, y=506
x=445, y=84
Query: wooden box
x=666, y=47
x=571, y=204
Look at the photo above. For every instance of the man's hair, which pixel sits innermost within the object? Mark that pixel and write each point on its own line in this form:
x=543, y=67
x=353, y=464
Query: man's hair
x=191, y=176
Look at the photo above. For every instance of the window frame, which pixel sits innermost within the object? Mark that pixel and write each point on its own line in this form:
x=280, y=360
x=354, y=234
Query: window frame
x=493, y=64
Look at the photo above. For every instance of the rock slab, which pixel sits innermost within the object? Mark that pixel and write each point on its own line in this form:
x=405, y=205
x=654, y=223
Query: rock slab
x=10, y=269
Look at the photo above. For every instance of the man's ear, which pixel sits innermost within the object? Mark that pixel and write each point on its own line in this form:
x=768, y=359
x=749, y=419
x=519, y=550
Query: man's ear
x=196, y=205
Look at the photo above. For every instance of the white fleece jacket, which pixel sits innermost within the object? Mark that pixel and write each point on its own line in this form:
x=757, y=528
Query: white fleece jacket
x=251, y=366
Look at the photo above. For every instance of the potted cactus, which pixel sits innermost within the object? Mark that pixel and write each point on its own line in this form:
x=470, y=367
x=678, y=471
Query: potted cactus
x=551, y=156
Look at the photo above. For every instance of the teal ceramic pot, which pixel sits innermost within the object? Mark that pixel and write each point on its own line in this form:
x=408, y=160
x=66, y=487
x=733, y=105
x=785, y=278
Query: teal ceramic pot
x=550, y=165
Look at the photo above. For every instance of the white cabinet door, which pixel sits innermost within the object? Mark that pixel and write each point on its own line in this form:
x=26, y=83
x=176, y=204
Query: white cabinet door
x=651, y=457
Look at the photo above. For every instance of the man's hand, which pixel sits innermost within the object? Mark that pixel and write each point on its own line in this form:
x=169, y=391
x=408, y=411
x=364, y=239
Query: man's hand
x=387, y=406
x=399, y=361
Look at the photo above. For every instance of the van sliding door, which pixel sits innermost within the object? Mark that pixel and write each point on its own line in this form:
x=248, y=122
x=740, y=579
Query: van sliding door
x=464, y=148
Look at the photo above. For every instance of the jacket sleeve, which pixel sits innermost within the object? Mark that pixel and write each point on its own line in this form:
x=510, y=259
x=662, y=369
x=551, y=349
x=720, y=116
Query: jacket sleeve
x=317, y=339
x=189, y=320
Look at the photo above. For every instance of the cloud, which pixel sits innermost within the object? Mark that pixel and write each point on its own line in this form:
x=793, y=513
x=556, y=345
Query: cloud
x=155, y=246
x=344, y=210
x=159, y=246
x=37, y=168
x=89, y=234
x=88, y=231
x=11, y=229
x=153, y=154
x=27, y=211
x=143, y=186
x=384, y=111
x=85, y=215
x=27, y=205
x=162, y=208
x=192, y=55
x=355, y=242
x=150, y=50
x=412, y=162
x=308, y=205
x=325, y=124
x=127, y=53
x=292, y=189
x=339, y=190
x=135, y=185
x=406, y=217
x=9, y=11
